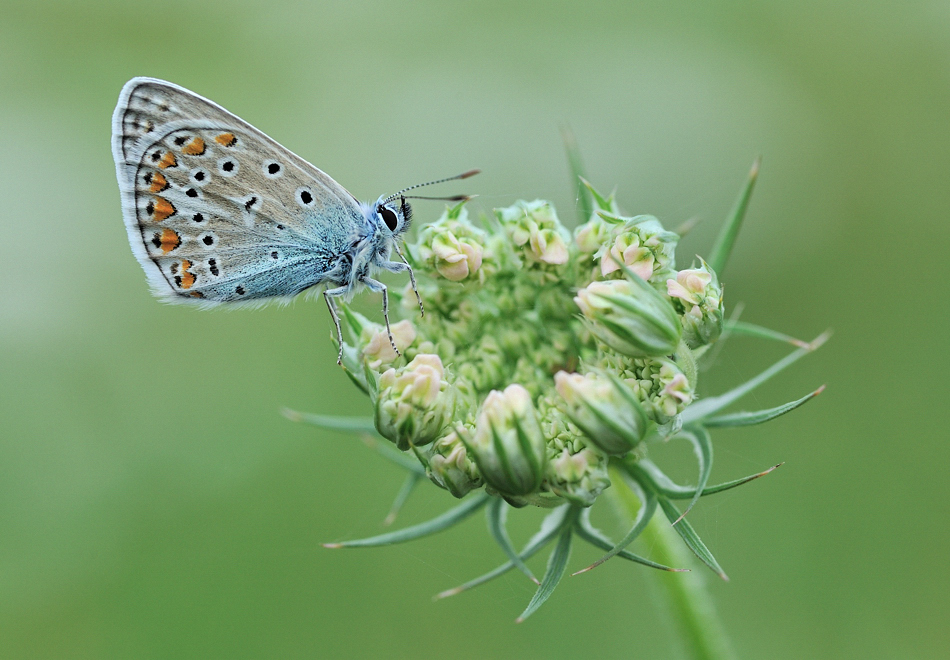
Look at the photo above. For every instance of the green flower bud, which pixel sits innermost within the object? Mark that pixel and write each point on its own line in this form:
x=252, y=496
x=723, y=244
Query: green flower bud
x=450, y=466
x=579, y=477
x=414, y=403
x=535, y=228
x=507, y=444
x=697, y=296
x=605, y=409
x=559, y=432
x=642, y=245
x=574, y=471
x=531, y=370
x=485, y=366
x=662, y=389
x=452, y=247
x=591, y=236
x=630, y=317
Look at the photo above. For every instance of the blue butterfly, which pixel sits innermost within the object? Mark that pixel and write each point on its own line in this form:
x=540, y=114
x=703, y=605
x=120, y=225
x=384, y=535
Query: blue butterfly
x=219, y=213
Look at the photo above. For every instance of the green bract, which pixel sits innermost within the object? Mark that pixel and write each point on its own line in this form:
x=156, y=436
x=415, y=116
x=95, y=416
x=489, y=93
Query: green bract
x=547, y=364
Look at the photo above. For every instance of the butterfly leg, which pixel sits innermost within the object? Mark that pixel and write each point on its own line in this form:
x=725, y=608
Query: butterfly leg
x=392, y=267
x=379, y=287
x=397, y=267
x=328, y=295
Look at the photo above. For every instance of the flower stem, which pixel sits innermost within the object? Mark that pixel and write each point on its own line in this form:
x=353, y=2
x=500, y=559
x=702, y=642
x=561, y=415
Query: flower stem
x=688, y=600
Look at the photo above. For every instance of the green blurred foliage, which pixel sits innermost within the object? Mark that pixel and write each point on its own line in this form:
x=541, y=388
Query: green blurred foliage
x=154, y=504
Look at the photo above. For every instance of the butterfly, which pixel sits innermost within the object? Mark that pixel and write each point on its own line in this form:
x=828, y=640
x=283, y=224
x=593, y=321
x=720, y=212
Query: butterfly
x=218, y=213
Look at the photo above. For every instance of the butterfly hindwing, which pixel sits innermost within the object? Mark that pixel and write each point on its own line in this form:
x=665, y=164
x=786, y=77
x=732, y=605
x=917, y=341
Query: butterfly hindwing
x=215, y=210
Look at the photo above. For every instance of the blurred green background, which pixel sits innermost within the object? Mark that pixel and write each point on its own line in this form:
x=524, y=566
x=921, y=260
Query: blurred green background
x=153, y=503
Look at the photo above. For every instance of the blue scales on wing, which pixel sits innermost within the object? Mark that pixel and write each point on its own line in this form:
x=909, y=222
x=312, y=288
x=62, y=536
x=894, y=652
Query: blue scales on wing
x=216, y=211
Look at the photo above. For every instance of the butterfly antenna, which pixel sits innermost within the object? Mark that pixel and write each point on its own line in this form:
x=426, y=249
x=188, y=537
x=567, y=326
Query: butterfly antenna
x=453, y=198
x=463, y=175
x=412, y=278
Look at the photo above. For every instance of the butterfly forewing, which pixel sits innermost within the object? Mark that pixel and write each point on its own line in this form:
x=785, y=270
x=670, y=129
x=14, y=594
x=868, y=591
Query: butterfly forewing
x=216, y=210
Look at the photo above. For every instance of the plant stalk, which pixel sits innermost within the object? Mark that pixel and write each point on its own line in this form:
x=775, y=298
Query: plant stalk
x=690, y=604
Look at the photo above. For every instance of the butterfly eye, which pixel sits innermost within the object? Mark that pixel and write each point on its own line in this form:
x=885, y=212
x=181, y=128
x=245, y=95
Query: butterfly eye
x=388, y=217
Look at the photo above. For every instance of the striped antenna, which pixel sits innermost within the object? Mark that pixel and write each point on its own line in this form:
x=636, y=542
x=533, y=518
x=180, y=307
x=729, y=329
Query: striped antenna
x=463, y=175
x=453, y=198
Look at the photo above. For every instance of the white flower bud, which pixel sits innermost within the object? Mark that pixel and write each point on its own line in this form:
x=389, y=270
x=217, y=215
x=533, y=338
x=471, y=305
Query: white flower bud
x=591, y=235
x=579, y=477
x=605, y=409
x=630, y=317
x=534, y=227
x=452, y=247
x=450, y=252
x=378, y=350
x=697, y=296
x=641, y=244
x=675, y=393
x=450, y=466
x=415, y=402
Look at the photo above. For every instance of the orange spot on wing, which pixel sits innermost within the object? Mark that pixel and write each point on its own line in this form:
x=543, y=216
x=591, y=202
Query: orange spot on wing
x=197, y=294
x=169, y=240
x=162, y=209
x=187, y=278
x=194, y=148
x=226, y=139
x=159, y=183
x=168, y=160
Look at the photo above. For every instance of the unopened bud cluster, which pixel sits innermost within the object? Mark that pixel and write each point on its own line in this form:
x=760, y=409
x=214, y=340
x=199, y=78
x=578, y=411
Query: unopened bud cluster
x=541, y=353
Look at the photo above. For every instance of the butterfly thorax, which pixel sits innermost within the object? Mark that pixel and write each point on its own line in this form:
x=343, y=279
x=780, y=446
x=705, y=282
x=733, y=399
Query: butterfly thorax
x=363, y=257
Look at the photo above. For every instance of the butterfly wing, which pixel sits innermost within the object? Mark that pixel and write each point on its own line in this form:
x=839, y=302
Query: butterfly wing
x=215, y=210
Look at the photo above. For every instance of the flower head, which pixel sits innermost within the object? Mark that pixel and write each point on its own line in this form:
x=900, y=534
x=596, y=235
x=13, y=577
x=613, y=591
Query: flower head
x=378, y=349
x=575, y=471
x=502, y=387
x=659, y=385
x=579, y=477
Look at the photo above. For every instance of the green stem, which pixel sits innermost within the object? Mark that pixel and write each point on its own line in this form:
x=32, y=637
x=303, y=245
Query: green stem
x=688, y=600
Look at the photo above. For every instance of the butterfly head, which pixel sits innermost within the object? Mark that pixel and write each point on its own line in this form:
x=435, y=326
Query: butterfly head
x=394, y=212
x=394, y=215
